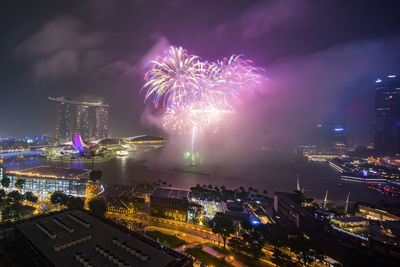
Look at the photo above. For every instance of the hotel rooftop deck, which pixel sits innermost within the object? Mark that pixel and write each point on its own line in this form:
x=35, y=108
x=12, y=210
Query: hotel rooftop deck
x=170, y=192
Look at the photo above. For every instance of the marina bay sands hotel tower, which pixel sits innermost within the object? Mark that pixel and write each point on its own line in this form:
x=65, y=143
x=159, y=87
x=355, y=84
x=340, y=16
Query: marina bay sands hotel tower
x=73, y=118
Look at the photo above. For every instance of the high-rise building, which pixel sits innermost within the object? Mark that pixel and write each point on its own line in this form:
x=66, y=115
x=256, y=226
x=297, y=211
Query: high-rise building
x=387, y=115
x=332, y=137
x=82, y=121
x=63, y=122
x=74, y=118
x=101, y=126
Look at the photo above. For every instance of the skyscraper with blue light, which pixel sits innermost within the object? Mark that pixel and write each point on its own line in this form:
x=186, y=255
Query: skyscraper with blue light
x=387, y=115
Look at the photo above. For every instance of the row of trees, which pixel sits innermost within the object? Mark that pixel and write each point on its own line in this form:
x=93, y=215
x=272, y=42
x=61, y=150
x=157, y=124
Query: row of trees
x=209, y=192
x=96, y=206
x=12, y=206
x=281, y=238
x=252, y=239
x=5, y=182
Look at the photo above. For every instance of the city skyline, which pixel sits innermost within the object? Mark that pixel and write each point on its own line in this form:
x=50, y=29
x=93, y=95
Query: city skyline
x=94, y=57
x=188, y=133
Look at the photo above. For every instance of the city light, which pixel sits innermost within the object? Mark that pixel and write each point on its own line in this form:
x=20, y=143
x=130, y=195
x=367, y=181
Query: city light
x=188, y=133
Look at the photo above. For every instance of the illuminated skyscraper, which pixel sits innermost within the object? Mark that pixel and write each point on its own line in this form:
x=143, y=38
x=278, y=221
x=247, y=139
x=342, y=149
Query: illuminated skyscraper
x=387, y=115
x=332, y=137
x=73, y=118
x=63, y=122
x=101, y=126
x=82, y=121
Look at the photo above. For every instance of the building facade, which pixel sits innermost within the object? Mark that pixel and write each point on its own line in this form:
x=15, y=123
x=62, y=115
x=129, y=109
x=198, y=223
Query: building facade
x=171, y=203
x=63, y=122
x=82, y=121
x=387, y=115
x=42, y=181
x=101, y=124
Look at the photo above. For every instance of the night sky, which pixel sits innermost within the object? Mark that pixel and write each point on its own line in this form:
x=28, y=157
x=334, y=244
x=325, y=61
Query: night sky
x=321, y=57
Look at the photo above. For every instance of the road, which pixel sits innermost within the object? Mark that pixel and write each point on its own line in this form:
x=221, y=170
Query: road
x=189, y=232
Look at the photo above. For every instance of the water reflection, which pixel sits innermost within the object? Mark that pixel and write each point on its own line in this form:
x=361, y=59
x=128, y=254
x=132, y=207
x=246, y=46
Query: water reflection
x=77, y=165
x=273, y=172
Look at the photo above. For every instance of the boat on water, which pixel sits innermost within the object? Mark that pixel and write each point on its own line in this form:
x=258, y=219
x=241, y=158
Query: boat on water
x=122, y=153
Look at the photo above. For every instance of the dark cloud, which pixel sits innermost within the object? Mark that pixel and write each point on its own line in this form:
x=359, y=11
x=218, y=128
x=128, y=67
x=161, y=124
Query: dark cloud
x=63, y=47
x=137, y=66
x=262, y=19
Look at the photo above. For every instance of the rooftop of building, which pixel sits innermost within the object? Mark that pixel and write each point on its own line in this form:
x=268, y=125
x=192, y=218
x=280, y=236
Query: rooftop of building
x=350, y=219
x=62, y=236
x=234, y=206
x=292, y=198
x=51, y=172
x=170, y=192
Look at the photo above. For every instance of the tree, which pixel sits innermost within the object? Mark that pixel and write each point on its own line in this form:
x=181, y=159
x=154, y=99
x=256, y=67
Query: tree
x=5, y=182
x=75, y=202
x=282, y=259
x=276, y=234
x=19, y=183
x=254, y=241
x=14, y=196
x=222, y=225
x=29, y=196
x=59, y=198
x=305, y=249
x=237, y=244
x=265, y=192
x=2, y=193
x=95, y=175
x=98, y=207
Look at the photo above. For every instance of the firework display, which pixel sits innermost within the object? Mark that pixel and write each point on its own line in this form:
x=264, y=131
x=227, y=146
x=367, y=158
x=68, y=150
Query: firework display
x=197, y=94
x=174, y=78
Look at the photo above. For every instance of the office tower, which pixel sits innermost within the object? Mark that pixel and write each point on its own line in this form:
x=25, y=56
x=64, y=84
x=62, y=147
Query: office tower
x=339, y=137
x=101, y=125
x=82, y=121
x=63, y=122
x=332, y=137
x=387, y=115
